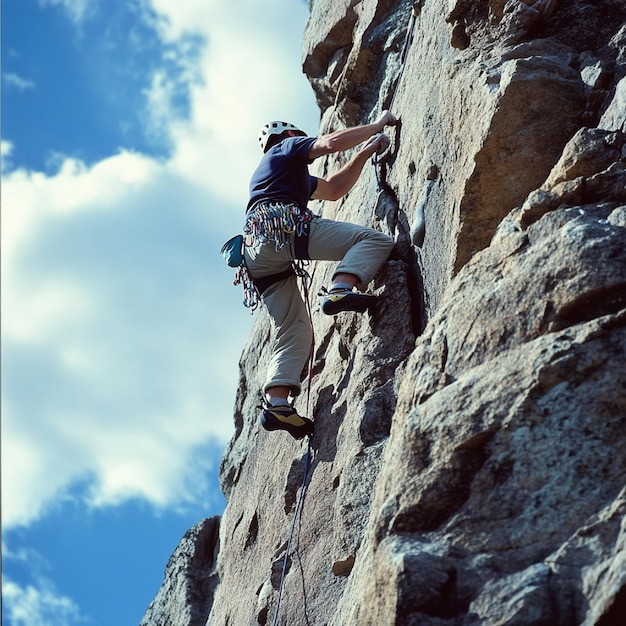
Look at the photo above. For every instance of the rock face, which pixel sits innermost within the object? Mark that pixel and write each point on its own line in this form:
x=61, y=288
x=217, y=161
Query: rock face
x=469, y=462
x=186, y=596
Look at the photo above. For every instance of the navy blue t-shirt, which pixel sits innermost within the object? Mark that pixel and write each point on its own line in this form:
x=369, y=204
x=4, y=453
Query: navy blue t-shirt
x=283, y=173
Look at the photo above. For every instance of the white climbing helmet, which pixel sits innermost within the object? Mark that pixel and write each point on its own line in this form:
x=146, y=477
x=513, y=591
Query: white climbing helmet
x=276, y=128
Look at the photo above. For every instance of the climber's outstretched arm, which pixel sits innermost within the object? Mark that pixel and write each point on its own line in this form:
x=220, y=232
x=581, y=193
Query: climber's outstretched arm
x=348, y=138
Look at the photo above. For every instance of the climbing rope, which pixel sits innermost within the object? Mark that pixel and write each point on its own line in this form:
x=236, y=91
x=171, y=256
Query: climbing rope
x=299, y=267
x=291, y=532
x=386, y=204
x=415, y=11
x=305, y=281
x=408, y=39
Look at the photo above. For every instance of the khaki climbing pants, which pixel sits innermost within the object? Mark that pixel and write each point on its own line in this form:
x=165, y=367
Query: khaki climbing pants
x=360, y=250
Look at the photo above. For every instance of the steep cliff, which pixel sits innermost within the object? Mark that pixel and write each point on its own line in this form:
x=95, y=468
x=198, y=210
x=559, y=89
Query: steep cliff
x=469, y=462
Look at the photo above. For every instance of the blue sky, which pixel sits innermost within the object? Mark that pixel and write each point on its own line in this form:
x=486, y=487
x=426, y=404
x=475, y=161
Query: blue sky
x=128, y=137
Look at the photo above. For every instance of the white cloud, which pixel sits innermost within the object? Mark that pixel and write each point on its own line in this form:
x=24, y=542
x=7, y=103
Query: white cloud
x=6, y=150
x=251, y=67
x=35, y=601
x=39, y=605
x=76, y=10
x=116, y=373
x=15, y=80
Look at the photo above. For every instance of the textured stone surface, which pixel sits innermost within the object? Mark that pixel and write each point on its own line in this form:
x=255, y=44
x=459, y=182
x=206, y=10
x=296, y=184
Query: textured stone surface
x=186, y=595
x=469, y=461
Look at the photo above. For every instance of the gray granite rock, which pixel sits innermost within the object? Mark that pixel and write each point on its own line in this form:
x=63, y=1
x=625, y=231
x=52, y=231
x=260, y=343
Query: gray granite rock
x=469, y=460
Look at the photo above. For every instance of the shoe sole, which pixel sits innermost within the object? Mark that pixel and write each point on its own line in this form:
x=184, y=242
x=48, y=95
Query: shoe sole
x=271, y=421
x=357, y=303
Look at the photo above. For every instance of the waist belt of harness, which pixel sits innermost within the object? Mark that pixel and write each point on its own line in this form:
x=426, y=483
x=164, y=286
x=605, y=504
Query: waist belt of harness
x=265, y=282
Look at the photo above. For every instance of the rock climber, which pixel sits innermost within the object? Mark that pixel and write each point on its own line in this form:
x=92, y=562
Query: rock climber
x=280, y=227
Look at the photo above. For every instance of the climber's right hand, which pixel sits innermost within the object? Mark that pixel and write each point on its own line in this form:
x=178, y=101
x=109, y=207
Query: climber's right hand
x=386, y=118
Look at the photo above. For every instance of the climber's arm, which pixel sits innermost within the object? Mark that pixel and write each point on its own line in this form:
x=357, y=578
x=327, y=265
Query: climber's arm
x=339, y=184
x=348, y=138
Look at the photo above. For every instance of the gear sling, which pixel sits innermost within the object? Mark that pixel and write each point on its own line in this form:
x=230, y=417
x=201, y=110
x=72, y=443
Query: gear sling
x=253, y=288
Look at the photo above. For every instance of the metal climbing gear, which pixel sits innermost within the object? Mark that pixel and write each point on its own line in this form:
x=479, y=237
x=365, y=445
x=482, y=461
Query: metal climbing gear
x=270, y=222
x=276, y=222
x=386, y=206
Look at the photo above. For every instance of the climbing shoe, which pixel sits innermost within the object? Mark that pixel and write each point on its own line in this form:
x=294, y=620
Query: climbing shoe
x=285, y=418
x=337, y=300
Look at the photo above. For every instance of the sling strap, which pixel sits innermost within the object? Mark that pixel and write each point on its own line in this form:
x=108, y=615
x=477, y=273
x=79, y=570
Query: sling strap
x=301, y=241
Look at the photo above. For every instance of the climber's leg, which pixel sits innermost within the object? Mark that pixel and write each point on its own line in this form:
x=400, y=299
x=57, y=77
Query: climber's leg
x=361, y=252
x=293, y=335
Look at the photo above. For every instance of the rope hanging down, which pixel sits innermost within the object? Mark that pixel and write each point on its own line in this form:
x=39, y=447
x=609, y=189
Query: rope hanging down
x=306, y=280
x=296, y=515
x=405, y=48
x=386, y=202
x=408, y=39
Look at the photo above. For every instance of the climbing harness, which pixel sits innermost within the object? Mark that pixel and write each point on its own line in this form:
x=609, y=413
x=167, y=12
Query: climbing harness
x=268, y=222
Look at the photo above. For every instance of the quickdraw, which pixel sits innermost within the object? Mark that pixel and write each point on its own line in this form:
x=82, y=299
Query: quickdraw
x=251, y=297
x=275, y=222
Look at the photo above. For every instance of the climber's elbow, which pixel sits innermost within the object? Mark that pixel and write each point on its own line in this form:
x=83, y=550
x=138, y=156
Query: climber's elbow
x=327, y=190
